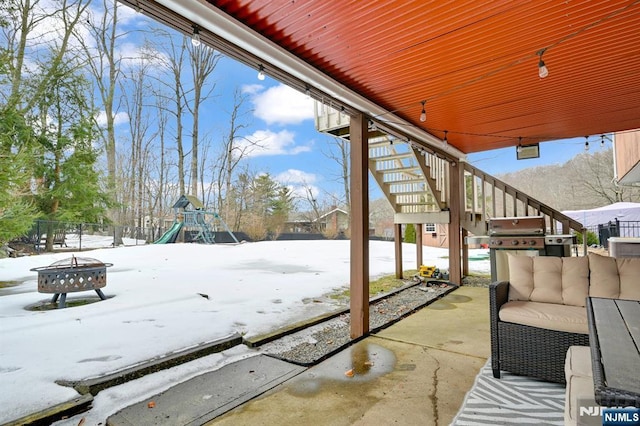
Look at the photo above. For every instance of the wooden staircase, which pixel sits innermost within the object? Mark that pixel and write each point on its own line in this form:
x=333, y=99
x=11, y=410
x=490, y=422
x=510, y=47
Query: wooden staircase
x=415, y=182
x=412, y=182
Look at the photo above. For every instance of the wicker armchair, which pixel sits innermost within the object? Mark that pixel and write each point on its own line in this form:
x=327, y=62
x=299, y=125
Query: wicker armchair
x=525, y=350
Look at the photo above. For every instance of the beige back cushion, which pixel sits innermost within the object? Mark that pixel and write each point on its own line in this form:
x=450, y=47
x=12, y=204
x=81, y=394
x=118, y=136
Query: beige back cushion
x=629, y=271
x=520, y=277
x=575, y=280
x=549, y=279
x=604, y=278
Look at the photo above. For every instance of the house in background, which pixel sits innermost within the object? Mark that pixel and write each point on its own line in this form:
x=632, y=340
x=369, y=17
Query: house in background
x=333, y=222
x=435, y=235
x=626, y=157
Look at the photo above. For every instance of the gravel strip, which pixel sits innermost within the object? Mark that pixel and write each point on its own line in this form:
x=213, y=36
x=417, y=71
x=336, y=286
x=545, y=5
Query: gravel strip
x=315, y=343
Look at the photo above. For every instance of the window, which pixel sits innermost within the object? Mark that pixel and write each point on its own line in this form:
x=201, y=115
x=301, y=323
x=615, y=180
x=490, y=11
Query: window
x=429, y=228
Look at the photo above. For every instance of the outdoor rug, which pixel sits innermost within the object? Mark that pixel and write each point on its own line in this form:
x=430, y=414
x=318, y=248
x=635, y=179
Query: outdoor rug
x=511, y=400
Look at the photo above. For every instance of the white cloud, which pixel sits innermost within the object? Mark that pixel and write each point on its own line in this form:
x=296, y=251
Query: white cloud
x=266, y=142
x=251, y=89
x=119, y=118
x=135, y=55
x=304, y=192
x=282, y=105
x=300, y=183
x=292, y=176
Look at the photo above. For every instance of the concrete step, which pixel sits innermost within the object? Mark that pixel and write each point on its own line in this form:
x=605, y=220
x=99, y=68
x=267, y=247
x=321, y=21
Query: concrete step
x=205, y=397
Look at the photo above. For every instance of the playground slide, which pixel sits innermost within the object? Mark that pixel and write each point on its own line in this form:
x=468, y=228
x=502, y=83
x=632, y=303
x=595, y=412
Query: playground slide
x=171, y=235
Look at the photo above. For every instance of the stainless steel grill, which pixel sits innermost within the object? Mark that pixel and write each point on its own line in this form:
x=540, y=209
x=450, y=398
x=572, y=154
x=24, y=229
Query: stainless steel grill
x=559, y=245
x=514, y=236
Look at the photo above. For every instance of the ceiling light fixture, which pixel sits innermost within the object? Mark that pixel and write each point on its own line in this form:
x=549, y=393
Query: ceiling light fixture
x=543, y=71
x=261, y=75
x=445, y=141
x=519, y=147
x=602, y=141
x=586, y=144
x=195, y=37
x=423, y=113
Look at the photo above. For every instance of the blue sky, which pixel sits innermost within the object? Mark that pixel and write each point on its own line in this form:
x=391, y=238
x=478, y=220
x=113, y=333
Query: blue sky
x=293, y=152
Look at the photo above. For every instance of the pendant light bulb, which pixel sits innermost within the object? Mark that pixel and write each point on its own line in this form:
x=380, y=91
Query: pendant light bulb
x=543, y=71
x=586, y=144
x=423, y=114
x=195, y=37
x=602, y=141
x=445, y=141
x=261, y=75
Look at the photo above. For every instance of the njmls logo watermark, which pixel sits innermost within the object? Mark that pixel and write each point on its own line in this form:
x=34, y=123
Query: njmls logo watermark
x=591, y=414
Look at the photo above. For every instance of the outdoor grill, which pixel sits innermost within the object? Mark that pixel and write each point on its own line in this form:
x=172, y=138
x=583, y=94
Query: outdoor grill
x=559, y=245
x=72, y=275
x=516, y=236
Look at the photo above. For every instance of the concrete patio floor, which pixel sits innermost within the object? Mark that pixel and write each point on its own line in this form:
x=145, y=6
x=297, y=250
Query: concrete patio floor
x=415, y=372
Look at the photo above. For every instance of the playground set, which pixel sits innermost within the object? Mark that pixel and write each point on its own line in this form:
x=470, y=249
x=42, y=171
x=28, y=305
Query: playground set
x=193, y=223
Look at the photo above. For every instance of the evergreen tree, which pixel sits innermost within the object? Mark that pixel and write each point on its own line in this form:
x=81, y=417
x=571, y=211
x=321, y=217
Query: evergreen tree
x=410, y=234
x=269, y=205
x=17, y=212
x=67, y=184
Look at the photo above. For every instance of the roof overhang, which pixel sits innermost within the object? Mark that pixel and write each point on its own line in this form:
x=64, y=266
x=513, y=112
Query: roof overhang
x=473, y=64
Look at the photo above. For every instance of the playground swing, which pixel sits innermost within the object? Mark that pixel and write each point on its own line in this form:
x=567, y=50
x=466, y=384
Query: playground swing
x=198, y=224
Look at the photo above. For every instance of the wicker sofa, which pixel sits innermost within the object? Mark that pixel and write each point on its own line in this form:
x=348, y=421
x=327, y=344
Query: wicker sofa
x=540, y=312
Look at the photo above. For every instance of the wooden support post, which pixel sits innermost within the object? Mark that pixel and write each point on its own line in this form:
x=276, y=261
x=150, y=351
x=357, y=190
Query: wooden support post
x=419, y=231
x=359, y=283
x=456, y=172
x=398, y=245
x=465, y=253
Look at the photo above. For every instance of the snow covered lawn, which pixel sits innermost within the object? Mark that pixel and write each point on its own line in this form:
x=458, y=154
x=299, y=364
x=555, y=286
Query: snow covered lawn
x=156, y=305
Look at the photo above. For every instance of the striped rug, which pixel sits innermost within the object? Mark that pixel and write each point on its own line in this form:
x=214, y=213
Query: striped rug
x=511, y=400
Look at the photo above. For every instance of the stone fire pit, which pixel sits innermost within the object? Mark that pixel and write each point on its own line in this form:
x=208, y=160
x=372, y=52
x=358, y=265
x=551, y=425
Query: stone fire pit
x=72, y=275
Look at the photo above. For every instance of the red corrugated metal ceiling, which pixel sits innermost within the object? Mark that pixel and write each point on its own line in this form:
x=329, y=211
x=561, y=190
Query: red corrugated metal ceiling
x=473, y=62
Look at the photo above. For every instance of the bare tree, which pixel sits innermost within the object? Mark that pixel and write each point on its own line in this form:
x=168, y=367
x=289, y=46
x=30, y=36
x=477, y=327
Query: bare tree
x=203, y=62
x=339, y=152
x=595, y=175
x=235, y=147
x=174, y=62
x=105, y=66
x=156, y=187
x=310, y=206
x=139, y=125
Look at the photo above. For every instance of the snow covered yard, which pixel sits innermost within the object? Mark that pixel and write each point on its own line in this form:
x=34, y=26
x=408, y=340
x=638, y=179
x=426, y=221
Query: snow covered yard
x=163, y=298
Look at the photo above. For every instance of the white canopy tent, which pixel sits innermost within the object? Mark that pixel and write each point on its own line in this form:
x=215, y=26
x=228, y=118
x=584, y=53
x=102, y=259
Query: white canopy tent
x=602, y=215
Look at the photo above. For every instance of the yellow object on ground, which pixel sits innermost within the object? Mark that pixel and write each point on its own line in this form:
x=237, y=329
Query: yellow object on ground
x=428, y=271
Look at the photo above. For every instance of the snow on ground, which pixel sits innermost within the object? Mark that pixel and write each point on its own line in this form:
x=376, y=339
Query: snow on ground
x=86, y=241
x=155, y=306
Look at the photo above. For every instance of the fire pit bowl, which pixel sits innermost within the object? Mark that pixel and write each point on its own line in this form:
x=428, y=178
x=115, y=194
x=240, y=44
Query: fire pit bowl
x=72, y=275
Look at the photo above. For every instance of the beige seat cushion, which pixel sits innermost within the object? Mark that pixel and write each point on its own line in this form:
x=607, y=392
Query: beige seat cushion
x=578, y=373
x=579, y=390
x=551, y=316
x=578, y=362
